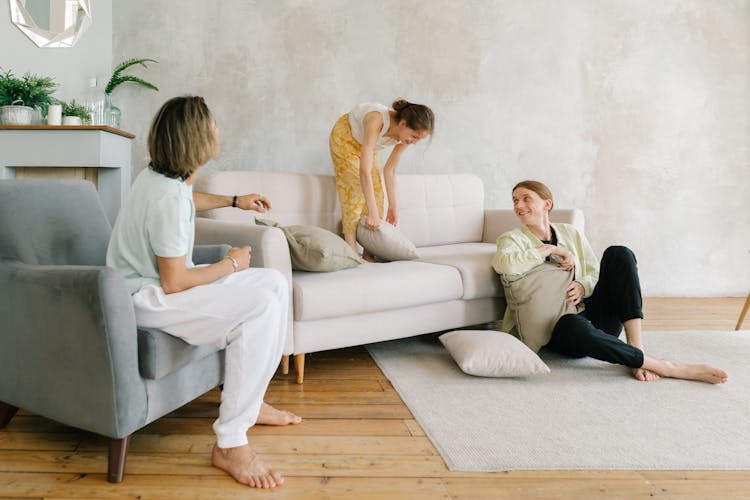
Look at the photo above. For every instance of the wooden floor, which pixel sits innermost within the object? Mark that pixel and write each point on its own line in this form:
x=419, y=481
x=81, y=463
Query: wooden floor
x=358, y=441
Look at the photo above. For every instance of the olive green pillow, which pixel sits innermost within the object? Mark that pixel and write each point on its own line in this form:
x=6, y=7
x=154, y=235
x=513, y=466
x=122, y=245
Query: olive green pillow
x=313, y=248
x=536, y=300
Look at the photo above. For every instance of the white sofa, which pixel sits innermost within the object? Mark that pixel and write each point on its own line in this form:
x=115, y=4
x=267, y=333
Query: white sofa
x=451, y=285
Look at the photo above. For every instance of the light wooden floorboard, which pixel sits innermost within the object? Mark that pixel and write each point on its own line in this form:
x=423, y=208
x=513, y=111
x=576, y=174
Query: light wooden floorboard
x=358, y=440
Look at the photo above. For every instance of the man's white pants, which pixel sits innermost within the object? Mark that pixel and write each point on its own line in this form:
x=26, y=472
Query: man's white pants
x=244, y=313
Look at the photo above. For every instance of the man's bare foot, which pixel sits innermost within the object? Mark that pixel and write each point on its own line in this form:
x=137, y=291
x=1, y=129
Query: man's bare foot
x=700, y=372
x=269, y=415
x=243, y=464
x=645, y=375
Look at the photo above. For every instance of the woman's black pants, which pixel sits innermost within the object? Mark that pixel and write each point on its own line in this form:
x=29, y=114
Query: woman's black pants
x=616, y=299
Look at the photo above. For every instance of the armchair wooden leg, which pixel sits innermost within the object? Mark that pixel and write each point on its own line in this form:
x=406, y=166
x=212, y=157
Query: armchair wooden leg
x=299, y=367
x=118, y=452
x=743, y=313
x=7, y=412
x=285, y=364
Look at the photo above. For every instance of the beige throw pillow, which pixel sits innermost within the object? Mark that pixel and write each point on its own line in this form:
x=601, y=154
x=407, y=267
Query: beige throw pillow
x=386, y=242
x=487, y=353
x=313, y=248
x=536, y=301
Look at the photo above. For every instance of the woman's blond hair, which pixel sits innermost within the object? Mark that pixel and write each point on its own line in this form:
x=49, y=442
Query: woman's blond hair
x=539, y=188
x=181, y=138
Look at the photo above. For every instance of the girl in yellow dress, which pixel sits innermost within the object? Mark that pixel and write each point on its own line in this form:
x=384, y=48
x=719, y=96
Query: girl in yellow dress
x=355, y=141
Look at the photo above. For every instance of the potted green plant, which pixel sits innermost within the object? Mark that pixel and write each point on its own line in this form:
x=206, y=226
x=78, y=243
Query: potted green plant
x=111, y=112
x=20, y=96
x=74, y=113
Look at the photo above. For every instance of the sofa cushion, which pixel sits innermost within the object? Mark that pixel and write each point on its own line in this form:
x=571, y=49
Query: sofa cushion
x=473, y=261
x=160, y=354
x=386, y=242
x=373, y=287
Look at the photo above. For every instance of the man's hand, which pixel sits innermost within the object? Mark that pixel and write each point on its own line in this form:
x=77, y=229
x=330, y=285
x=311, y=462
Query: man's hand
x=255, y=202
x=574, y=293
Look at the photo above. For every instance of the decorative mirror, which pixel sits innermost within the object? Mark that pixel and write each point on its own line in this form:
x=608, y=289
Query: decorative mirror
x=52, y=23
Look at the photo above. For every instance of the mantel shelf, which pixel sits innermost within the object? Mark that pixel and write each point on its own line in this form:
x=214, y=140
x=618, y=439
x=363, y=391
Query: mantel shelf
x=96, y=153
x=103, y=128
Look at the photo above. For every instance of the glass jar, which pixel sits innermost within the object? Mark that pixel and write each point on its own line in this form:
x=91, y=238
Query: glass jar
x=111, y=112
x=93, y=101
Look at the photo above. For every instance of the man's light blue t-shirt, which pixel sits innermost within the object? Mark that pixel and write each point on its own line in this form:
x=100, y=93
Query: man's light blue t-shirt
x=157, y=219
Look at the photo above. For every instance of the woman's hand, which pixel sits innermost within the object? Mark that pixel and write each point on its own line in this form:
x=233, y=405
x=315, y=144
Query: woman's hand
x=241, y=255
x=574, y=293
x=372, y=222
x=392, y=216
x=253, y=201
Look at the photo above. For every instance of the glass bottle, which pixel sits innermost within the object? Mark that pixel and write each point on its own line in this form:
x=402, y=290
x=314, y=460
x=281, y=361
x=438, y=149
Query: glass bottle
x=111, y=112
x=93, y=101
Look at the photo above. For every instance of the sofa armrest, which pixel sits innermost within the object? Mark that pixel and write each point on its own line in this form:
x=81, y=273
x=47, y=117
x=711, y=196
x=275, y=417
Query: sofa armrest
x=497, y=221
x=208, y=254
x=269, y=246
x=68, y=348
x=572, y=216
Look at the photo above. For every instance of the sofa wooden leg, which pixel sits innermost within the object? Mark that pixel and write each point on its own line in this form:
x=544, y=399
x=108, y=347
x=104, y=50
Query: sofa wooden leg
x=118, y=452
x=7, y=412
x=299, y=367
x=285, y=364
x=743, y=313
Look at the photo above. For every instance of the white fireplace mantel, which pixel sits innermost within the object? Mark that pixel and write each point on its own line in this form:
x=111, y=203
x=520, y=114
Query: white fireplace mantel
x=104, y=148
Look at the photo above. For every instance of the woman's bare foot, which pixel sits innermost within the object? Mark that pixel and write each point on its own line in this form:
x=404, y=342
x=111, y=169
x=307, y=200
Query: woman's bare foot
x=243, y=464
x=368, y=257
x=269, y=415
x=645, y=375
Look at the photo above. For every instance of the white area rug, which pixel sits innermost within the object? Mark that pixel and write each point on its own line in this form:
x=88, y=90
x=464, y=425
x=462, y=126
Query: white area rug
x=585, y=414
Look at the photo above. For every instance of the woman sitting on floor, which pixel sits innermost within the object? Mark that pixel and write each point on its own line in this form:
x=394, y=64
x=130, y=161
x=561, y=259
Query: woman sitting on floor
x=612, y=296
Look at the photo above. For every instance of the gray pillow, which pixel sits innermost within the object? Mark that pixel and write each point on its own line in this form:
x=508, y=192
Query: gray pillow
x=386, y=242
x=313, y=248
x=536, y=300
x=487, y=353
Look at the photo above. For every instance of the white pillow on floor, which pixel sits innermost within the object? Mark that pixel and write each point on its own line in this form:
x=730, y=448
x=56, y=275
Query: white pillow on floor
x=488, y=353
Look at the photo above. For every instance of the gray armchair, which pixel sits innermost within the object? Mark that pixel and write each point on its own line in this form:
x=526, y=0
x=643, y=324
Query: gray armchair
x=69, y=346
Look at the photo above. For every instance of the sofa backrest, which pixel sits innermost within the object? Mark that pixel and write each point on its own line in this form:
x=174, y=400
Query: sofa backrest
x=296, y=199
x=441, y=209
x=433, y=209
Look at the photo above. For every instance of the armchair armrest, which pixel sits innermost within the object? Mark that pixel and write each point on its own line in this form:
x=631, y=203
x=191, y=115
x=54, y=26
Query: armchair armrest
x=208, y=254
x=68, y=348
x=269, y=246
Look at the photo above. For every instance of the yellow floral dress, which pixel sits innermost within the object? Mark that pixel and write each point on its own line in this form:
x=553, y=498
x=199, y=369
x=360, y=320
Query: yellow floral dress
x=345, y=153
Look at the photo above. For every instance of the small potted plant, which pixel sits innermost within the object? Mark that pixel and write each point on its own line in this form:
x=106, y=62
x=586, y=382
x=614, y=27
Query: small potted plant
x=111, y=112
x=21, y=97
x=74, y=113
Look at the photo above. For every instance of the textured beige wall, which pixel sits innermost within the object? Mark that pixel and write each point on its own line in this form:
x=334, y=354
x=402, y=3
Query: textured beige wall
x=636, y=111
